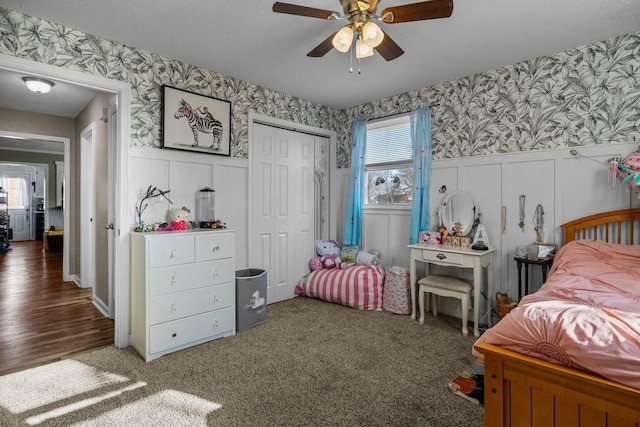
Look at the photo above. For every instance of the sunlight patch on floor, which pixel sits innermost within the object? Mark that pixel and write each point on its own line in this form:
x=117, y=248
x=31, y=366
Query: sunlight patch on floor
x=84, y=403
x=44, y=385
x=72, y=389
x=167, y=407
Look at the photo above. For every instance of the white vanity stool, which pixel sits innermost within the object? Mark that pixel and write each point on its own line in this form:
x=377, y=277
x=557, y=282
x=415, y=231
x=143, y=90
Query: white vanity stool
x=445, y=286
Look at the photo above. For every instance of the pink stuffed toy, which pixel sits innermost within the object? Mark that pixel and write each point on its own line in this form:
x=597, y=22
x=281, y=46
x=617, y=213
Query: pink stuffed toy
x=178, y=221
x=315, y=264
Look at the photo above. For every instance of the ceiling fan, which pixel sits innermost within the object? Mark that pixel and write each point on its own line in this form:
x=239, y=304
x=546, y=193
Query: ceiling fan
x=361, y=15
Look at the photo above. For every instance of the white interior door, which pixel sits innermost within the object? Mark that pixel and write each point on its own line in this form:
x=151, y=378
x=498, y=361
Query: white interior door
x=112, y=134
x=282, y=207
x=87, y=209
x=17, y=184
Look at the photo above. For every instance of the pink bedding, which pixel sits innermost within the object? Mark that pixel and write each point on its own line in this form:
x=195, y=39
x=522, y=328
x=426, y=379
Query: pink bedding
x=358, y=286
x=587, y=314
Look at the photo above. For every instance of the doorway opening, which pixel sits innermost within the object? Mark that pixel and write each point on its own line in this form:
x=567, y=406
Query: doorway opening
x=122, y=91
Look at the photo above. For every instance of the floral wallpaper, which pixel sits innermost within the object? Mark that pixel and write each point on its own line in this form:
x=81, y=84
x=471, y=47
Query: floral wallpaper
x=39, y=40
x=583, y=96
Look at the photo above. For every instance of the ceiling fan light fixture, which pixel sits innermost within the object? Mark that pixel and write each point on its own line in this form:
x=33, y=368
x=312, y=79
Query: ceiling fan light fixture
x=343, y=39
x=372, y=34
x=362, y=49
x=37, y=85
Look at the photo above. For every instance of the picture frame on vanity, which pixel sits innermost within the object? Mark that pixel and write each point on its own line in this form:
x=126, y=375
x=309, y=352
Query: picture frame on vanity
x=195, y=122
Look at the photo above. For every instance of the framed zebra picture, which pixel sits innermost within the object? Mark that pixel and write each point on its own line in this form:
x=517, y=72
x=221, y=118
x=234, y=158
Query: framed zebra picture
x=195, y=122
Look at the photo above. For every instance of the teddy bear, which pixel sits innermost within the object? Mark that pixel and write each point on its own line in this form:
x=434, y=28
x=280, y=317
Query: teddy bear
x=329, y=253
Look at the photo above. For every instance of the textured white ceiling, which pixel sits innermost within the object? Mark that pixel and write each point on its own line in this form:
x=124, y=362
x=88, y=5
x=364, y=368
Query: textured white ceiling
x=246, y=40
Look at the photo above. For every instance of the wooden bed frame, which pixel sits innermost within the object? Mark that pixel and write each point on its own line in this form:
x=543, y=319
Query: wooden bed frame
x=521, y=390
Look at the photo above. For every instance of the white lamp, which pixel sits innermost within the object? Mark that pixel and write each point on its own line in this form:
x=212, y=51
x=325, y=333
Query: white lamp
x=343, y=39
x=37, y=85
x=372, y=34
x=362, y=50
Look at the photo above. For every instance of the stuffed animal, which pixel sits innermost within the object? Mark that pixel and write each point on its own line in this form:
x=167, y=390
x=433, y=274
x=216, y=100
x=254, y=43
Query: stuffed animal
x=329, y=253
x=315, y=264
x=178, y=220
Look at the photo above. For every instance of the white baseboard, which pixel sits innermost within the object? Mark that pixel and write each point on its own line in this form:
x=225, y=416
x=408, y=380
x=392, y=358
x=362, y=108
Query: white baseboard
x=75, y=279
x=101, y=306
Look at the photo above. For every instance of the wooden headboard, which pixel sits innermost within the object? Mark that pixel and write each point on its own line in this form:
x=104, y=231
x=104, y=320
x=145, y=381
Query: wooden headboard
x=622, y=226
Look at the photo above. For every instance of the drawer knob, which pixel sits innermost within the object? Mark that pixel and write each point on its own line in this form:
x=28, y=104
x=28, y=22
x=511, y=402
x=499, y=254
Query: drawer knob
x=215, y=297
x=215, y=249
x=494, y=391
x=215, y=324
x=173, y=308
x=173, y=280
x=441, y=256
x=215, y=272
x=173, y=335
x=173, y=253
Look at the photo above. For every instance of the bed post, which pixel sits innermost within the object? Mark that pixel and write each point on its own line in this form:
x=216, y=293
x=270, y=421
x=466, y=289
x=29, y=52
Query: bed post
x=494, y=393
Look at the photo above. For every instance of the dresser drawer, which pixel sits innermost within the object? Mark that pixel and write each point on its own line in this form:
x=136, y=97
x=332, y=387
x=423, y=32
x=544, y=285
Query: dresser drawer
x=177, y=250
x=164, y=280
x=444, y=258
x=177, y=305
x=189, y=329
x=212, y=246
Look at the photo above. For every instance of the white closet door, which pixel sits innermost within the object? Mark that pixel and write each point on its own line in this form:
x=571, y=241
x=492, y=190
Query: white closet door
x=282, y=207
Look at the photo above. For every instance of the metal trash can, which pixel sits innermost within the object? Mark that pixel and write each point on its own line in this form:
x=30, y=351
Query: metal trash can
x=251, y=298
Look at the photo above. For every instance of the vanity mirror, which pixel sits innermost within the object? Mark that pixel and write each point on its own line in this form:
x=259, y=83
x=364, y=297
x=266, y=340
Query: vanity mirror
x=457, y=209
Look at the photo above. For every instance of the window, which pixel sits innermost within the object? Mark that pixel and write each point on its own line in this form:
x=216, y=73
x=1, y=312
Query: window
x=18, y=193
x=388, y=162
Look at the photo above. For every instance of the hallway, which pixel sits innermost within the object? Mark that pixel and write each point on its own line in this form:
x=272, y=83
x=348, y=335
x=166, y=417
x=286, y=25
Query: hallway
x=42, y=318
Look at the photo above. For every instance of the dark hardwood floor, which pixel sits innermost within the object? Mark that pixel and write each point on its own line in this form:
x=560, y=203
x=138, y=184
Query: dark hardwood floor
x=42, y=318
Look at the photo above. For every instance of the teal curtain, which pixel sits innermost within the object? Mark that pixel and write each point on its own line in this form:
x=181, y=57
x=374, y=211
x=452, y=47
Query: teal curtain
x=421, y=138
x=353, y=214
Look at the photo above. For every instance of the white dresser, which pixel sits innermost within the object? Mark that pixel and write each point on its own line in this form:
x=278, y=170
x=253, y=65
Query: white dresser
x=182, y=289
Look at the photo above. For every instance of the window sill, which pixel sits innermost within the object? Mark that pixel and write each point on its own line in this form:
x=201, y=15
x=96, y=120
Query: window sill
x=395, y=208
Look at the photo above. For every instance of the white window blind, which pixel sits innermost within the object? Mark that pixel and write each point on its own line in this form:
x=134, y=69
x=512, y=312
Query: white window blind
x=389, y=141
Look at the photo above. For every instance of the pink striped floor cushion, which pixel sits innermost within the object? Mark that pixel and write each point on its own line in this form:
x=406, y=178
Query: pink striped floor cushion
x=358, y=286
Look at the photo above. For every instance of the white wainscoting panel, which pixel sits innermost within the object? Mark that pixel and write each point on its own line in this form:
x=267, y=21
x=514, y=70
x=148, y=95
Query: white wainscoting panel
x=185, y=173
x=568, y=186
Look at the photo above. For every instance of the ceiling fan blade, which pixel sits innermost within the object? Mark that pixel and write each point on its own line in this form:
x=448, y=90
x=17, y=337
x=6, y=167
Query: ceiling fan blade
x=388, y=49
x=294, y=9
x=432, y=9
x=323, y=48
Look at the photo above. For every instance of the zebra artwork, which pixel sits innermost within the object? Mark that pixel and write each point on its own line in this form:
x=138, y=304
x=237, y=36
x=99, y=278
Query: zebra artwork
x=201, y=120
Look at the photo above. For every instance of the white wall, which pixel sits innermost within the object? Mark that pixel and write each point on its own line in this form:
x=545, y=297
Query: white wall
x=185, y=173
x=566, y=185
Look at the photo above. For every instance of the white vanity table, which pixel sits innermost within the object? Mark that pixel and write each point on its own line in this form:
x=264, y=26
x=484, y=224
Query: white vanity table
x=453, y=256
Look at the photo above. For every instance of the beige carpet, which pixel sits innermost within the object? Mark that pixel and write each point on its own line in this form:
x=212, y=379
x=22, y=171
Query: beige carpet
x=310, y=364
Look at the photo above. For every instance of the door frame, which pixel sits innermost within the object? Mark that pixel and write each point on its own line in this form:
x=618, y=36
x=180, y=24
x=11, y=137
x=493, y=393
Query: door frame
x=123, y=224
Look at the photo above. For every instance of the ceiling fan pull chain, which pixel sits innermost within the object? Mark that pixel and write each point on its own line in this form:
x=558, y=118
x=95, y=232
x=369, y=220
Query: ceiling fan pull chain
x=351, y=59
